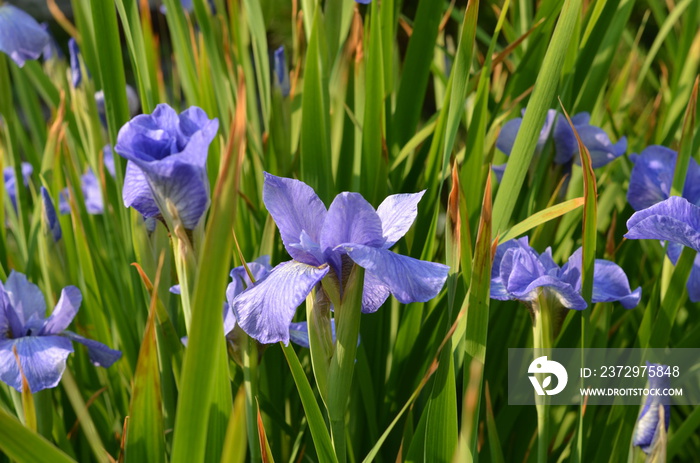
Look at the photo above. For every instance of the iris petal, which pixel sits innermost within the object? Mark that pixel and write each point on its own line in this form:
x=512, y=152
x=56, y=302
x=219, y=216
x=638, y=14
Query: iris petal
x=21, y=37
x=64, y=312
x=611, y=284
x=43, y=360
x=25, y=297
x=408, y=279
x=266, y=309
x=374, y=293
x=674, y=219
x=100, y=355
x=137, y=193
x=397, y=213
x=295, y=207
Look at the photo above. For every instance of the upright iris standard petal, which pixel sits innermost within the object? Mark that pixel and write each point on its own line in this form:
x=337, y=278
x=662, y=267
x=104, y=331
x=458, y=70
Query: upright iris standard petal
x=350, y=219
x=295, y=208
x=266, y=309
x=611, y=284
x=64, y=312
x=25, y=297
x=397, y=213
x=49, y=214
x=21, y=37
x=675, y=220
x=281, y=73
x=408, y=279
x=645, y=433
x=43, y=360
x=170, y=151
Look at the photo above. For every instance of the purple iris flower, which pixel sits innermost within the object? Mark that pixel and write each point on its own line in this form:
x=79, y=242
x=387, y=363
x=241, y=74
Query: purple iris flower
x=21, y=37
x=520, y=273
x=645, y=433
x=650, y=183
x=364, y=2
x=167, y=156
x=75, y=70
x=11, y=181
x=320, y=239
x=90, y=186
x=49, y=214
x=602, y=150
x=42, y=344
x=281, y=74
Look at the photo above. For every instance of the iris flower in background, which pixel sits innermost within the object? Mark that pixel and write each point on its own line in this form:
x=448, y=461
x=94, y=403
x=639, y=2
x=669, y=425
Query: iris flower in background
x=90, y=186
x=320, y=240
x=21, y=37
x=556, y=126
x=520, y=273
x=41, y=344
x=132, y=99
x=281, y=73
x=646, y=432
x=75, y=69
x=650, y=183
x=167, y=156
x=49, y=215
x=10, y=180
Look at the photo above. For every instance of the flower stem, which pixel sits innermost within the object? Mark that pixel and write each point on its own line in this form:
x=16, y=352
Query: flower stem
x=320, y=338
x=343, y=362
x=543, y=340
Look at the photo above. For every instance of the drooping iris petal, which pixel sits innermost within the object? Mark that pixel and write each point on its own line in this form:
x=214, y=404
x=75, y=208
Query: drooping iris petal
x=611, y=284
x=25, y=297
x=76, y=72
x=397, y=213
x=374, y=293
x=43, y=360
x=229, y=319
x=299, y=333
x=137, y=192
x=21, y=37
x=100, y=355
x=49, y=215
x=295, y=207
x=675, y=220
x=601, y=149
x=266, y=309
x=648, y=420
x=64, y=312
x=408, y=279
